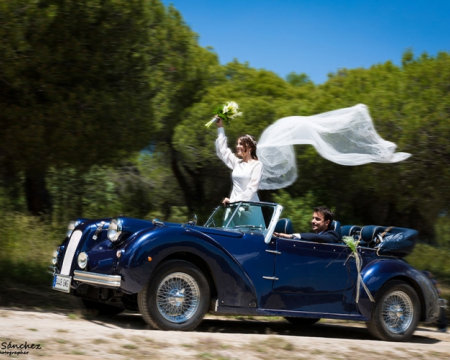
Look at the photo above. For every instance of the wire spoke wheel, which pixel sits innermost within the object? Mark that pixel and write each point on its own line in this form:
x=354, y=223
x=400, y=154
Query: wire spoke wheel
x=178, y=297
x=397, y=312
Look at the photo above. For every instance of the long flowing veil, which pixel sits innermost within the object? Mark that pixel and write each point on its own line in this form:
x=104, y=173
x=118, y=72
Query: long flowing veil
x=345, y=136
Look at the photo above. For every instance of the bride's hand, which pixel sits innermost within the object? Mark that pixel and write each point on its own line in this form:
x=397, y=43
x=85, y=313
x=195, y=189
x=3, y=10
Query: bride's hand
x=219, y=122
x=225, y=201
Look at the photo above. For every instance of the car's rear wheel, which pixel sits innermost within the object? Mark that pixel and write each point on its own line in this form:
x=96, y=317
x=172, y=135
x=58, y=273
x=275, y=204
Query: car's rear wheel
x=176, y=297
x=301, y=321
x=396, y=312
x=96, y=308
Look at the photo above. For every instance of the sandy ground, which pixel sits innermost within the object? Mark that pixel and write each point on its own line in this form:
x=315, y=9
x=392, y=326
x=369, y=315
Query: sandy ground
x=65, y=335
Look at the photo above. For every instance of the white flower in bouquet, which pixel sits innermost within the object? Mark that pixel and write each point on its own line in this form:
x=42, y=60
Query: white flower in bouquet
x=227, y=112
x=351, y=242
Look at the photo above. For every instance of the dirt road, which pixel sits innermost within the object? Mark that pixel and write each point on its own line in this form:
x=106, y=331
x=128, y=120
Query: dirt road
x=63, y=335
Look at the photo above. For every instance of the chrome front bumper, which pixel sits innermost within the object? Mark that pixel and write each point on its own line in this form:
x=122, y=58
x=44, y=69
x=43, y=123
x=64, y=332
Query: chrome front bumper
x=97, y=279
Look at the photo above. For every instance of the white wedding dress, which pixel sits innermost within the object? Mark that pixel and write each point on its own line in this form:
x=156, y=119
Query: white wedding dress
x=246, y=177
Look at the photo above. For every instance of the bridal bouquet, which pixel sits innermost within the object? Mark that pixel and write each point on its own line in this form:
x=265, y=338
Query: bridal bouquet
x=227, y=112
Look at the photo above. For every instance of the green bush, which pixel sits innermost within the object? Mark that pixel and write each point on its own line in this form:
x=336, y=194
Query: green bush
x=432, y=258
x=26, y=244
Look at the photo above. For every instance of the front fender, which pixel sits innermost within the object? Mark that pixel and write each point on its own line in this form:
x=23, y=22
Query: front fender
x=144, y=253
x=380, y=271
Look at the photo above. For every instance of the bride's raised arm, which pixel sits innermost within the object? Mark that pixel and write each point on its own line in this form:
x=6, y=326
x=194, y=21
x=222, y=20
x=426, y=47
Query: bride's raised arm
x=223, y=151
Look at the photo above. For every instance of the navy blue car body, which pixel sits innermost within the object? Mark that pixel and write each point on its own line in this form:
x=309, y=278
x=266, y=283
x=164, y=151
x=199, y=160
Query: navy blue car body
x=175, y=273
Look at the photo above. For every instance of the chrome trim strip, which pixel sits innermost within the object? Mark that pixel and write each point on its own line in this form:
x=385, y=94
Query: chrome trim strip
x=273, y=224
x=270, y=278
x=97, y=279
x=273, y=252
x=272, y=312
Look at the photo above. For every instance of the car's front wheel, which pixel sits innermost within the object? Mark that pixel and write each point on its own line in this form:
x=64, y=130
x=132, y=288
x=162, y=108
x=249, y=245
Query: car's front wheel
x=396, y=312
x=176, y=297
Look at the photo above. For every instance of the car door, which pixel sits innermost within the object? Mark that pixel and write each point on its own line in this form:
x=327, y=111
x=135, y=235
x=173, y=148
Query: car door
x=256, y=258
x=313, y=277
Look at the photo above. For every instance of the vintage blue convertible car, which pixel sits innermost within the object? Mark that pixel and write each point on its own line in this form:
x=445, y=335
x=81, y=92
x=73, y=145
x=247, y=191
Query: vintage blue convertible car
x=173, y=274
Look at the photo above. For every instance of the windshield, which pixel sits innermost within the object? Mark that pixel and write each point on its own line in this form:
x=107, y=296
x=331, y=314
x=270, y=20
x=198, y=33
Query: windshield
x=242, y=215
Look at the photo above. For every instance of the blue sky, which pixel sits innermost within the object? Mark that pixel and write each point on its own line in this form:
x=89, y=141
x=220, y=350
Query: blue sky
x=317, y=37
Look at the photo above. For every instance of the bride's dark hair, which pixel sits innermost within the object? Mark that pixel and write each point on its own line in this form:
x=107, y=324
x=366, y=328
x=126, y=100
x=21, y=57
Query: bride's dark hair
x=249, y=143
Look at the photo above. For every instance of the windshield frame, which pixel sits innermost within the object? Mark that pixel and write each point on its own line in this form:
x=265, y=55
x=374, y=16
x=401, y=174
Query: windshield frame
x=267, y=232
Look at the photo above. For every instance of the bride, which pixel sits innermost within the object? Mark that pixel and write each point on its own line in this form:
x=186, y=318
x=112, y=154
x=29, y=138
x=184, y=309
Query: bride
x=246, y=175
x=247, y=169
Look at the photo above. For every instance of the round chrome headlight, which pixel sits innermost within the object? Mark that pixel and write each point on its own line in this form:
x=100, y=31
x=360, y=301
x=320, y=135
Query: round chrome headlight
x=82, y=260
x=114, y=230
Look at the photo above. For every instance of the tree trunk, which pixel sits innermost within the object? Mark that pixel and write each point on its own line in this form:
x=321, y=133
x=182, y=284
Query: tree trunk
x=181, y=180
x=191, y=186
x=37, y=195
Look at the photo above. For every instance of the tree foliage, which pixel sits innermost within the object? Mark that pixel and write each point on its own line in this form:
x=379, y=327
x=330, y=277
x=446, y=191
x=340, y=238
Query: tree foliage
x=84, y=82
x=299, y=210
x=262, y=97
x=104, y=105
x=410, y=106
x=71, y=72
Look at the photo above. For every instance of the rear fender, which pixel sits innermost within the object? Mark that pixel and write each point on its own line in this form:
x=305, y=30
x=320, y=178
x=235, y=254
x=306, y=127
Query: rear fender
x=380, y=271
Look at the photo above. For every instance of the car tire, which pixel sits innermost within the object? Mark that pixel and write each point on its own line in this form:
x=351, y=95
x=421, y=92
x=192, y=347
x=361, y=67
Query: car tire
x=396, y=312
x=99, y=309
x=301, y=321
x=176, y=297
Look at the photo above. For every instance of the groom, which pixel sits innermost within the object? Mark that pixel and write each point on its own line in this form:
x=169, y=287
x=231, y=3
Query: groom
x=321, y=225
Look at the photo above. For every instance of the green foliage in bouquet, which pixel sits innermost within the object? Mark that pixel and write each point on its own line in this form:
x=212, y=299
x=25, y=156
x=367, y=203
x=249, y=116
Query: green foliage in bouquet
x=351, y=242
x=226, y=112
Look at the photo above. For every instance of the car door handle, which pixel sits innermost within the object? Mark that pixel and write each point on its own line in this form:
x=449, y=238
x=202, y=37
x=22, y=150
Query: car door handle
x=273, y=252
x=270, y=278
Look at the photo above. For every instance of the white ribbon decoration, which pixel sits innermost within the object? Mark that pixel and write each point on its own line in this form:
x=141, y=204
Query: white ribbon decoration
x=359, y=280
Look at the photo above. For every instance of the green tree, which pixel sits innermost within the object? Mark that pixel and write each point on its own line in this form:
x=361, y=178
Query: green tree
x=427, y=128
x=298, y=79
x=74, y=85
x=263, y=97
x=80, y=81
x=91, y=194
x=181, y=74
x=298, y=210
x=409, y=106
